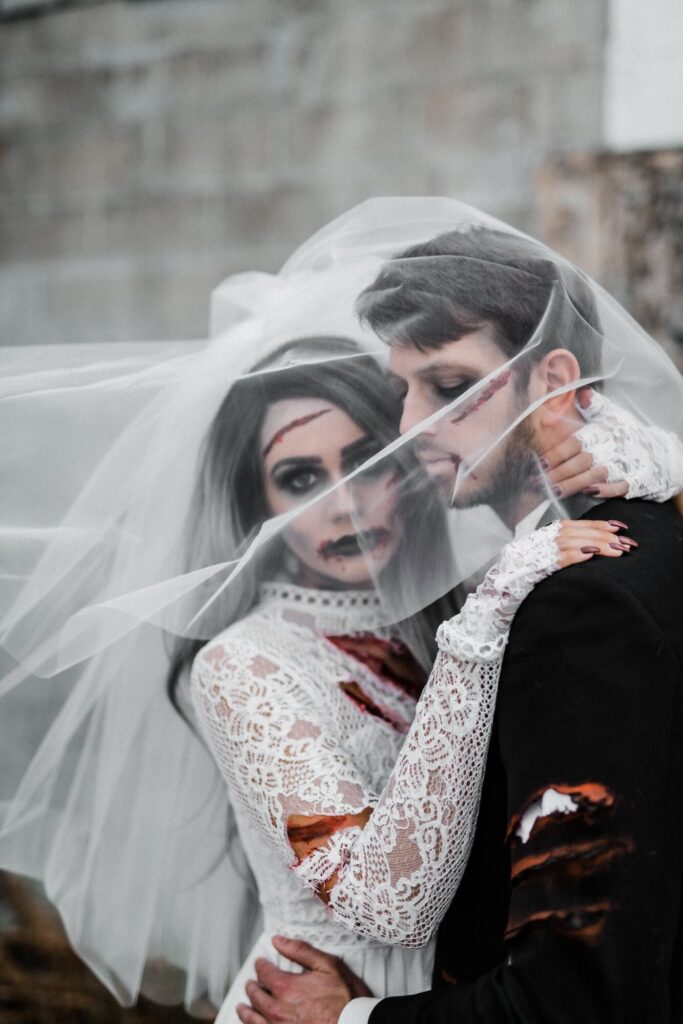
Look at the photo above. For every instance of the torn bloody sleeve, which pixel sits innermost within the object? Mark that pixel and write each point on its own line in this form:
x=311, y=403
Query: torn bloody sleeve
x=589, y=749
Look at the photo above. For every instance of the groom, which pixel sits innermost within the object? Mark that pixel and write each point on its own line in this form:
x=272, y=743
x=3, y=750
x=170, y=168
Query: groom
x=570, y=908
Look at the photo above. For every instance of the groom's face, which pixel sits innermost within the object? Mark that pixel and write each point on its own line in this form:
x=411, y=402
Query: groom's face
x=430, y=380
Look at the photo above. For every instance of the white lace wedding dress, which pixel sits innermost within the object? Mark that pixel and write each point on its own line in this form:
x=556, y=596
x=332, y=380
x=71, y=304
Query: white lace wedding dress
x=301, y=723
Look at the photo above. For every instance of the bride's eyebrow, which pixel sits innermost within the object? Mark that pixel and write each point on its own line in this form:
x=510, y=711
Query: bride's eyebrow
x=299, y=422
x=296, y=461
x=357, y=446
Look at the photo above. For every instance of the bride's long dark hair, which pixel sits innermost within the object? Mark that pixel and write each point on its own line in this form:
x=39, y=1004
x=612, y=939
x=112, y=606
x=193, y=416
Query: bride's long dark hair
x=229, y=500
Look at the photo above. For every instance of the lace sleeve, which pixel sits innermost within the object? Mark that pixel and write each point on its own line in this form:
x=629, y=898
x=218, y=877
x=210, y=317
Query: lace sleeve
x=270, y=743
x=647, y=457
x=399, y=875
x=394, y=878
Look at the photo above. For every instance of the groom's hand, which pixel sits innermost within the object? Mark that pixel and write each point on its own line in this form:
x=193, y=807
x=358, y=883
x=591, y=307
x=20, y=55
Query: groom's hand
x=317, y=996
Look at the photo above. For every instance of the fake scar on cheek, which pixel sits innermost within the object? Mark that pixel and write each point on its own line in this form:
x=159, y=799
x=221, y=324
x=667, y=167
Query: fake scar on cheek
x=487, y=393
x=283, y=431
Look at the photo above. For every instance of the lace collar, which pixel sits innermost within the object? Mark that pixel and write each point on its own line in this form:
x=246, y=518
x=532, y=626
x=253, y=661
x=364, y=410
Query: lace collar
x=328, y=611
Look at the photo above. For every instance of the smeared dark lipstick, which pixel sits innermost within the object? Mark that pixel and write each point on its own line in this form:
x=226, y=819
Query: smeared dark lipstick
x=353, y=544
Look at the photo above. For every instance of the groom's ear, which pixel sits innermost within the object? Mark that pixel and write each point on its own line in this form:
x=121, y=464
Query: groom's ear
x=557, y=370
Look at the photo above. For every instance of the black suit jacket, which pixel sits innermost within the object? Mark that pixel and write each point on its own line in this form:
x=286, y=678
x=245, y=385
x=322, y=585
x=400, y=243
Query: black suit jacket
x=581, y=922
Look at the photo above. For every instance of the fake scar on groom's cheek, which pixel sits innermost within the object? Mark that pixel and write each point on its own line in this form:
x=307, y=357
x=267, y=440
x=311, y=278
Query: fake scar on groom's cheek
x=562, y=840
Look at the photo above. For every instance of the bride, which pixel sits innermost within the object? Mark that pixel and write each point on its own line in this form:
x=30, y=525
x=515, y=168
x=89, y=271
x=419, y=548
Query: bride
x=306, y=701
x=253, y=493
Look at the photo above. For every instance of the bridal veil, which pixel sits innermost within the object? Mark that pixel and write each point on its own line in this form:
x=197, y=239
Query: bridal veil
x=120, y=811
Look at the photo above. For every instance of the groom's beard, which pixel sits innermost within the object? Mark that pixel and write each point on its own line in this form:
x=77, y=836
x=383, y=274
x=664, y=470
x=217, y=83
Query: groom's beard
x=504, y=476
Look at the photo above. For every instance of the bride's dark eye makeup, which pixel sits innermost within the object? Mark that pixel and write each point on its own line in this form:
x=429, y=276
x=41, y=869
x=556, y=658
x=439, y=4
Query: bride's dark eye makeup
x=359, y=452
x=299, y=477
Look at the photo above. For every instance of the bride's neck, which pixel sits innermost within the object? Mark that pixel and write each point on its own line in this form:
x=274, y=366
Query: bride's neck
x=307, y=577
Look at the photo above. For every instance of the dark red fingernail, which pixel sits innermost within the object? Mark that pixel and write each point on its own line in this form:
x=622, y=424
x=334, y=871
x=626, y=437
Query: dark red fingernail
x=616, y=522
x=630, y=542
x=543, y=463
x=618, y=547
x=591, y=551
x=557, y=490
x=593, y=489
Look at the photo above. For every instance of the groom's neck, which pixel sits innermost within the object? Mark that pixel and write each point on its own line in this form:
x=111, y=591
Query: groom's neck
x=517, y=508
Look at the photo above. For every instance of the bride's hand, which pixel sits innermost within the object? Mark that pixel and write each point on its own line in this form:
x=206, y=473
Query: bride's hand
x=479, y=631
x=579, y=540
x=613, y=455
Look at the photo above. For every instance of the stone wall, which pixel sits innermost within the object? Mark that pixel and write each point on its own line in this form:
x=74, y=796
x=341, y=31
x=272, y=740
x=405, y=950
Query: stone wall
x=620, y=217
x=149, y=149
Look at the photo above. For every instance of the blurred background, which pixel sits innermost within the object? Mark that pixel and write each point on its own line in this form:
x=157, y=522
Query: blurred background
x=148, y=149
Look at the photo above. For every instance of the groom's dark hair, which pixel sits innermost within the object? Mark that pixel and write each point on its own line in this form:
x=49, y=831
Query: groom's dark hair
x=439, y=291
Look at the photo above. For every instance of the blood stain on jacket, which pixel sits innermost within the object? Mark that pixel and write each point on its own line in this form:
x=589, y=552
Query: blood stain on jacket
x=562, y=841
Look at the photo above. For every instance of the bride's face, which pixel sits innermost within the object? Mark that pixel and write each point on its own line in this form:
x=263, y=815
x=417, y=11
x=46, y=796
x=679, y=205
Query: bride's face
x=308, y=445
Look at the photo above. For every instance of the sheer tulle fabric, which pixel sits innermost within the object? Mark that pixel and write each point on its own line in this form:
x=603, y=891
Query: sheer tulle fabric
x=102, y=448
x=106, y=561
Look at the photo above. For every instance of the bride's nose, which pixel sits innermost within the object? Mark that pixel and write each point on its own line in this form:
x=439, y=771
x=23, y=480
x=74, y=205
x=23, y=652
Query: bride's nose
x=341, y=503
